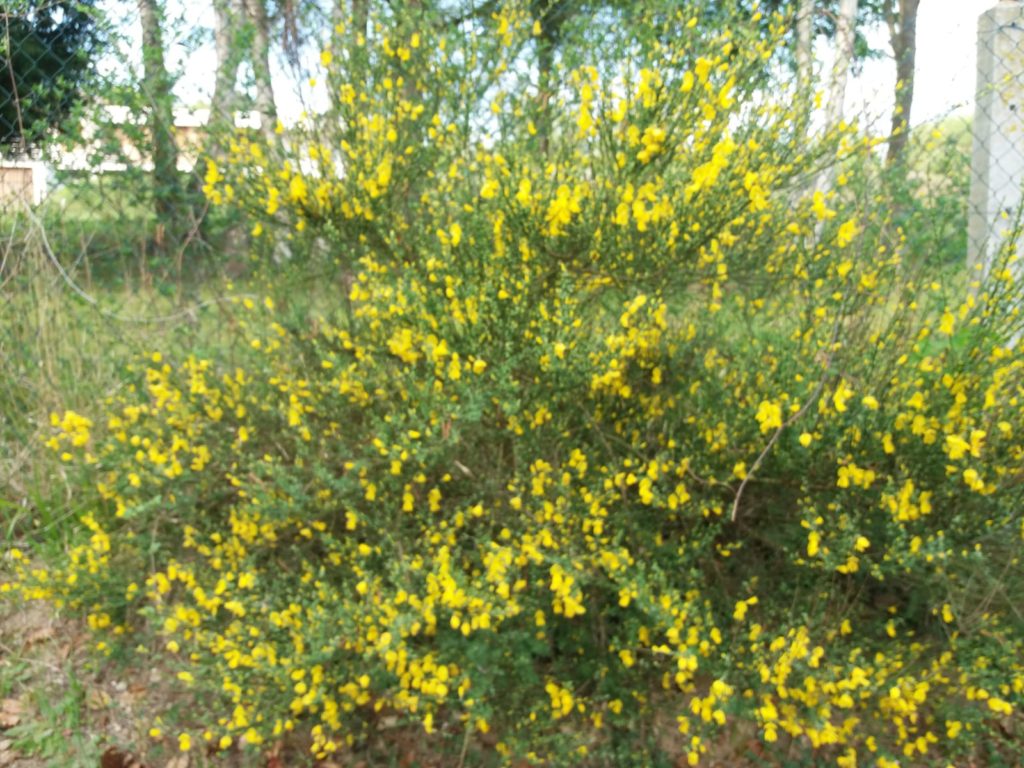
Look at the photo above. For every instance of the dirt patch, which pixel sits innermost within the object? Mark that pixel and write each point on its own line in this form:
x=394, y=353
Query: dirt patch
x=62, y=707
x=57, y=706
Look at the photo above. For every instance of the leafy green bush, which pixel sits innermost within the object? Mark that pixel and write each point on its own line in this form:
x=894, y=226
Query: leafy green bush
x=926, y=199
x=624, y=432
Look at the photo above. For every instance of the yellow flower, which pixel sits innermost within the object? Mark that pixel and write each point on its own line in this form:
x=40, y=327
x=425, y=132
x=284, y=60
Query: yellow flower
x=523, y=195
x=740, y=611
x=847, y=231
x=841, y=395
x=813, y=543
x=821, y=211
x=490, y=189
x=999, y=706
x=769, y=416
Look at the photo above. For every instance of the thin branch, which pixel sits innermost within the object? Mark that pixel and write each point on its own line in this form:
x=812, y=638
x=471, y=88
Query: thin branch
x=778, y=432
x=14, y=84
x=465, y=746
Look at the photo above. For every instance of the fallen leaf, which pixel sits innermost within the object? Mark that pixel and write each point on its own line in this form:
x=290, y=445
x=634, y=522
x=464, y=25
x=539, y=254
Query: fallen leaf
x=39, y=635
x=179, y=761
x=756, y=747
x=118, y=758
x=10, y=713
x=97, y=698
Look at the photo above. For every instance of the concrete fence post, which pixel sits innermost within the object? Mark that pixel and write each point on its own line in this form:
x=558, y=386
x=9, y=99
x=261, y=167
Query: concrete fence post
x=997, y=162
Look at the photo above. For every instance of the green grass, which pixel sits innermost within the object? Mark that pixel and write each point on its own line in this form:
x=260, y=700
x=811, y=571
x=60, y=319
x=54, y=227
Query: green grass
x=55, y=732
x=58, y=351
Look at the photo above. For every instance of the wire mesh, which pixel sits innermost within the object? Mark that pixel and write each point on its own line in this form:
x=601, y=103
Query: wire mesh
x=85, y=130
x=997, y=167
x=105, y=117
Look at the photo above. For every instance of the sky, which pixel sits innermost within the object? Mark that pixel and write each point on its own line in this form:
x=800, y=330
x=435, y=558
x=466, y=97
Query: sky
x=944, y=80
x=946, y=67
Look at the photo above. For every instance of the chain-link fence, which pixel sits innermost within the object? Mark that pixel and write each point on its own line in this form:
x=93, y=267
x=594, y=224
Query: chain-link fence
x=107, y=108
x=997, y=162
x=87, y=125
x=107, y=244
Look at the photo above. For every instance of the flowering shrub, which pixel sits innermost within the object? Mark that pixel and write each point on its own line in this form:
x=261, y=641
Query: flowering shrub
x=623, y=425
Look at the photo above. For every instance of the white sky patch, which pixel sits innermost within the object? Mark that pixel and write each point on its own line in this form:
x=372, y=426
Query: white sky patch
x=945, y=72
x=944, y=80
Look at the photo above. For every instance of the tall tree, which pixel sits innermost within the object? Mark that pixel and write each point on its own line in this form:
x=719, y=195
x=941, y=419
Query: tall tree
x=225, y=100
x=242, y=32
x=552, y=16
x=259, y=19
x=156, y=85
x=901, y=16
x=804, y=42
x=846, y=25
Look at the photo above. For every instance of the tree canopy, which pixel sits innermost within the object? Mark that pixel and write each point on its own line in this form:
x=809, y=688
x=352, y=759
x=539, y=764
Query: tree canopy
x=45, y=54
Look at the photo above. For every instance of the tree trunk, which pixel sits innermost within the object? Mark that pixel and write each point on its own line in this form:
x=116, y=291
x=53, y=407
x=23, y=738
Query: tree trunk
x=357, y=34
x=804, y=42
x=156, y=86
x=265, y=104
x=545, y=65
x=225, y=98
x=804, y=65
x=903, y=36
x=845, y=25
x=552, y=15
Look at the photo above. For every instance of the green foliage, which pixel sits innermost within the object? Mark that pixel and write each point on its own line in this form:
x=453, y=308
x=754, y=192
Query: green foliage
x=47, y=56
x=929, y=194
